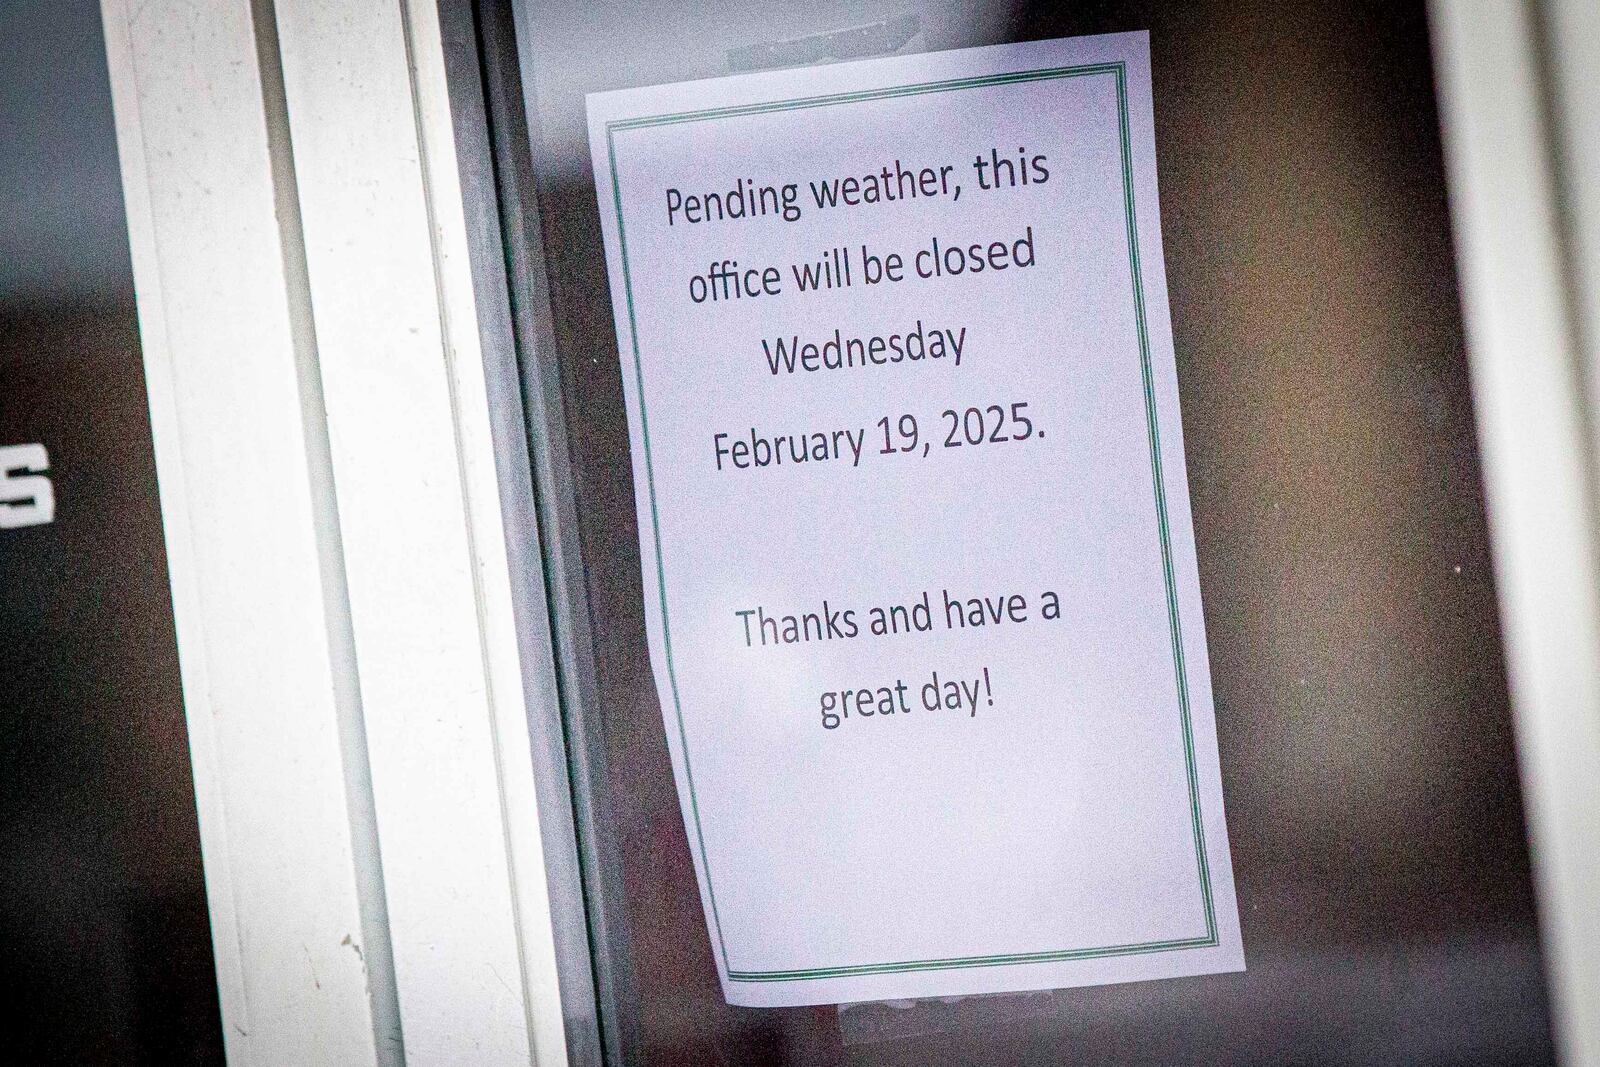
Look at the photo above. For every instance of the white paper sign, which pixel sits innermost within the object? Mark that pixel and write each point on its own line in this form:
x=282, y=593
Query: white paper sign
x=918, y=563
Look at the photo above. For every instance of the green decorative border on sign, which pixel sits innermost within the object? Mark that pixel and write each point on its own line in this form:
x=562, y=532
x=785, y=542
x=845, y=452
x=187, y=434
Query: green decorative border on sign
x=1119, y=72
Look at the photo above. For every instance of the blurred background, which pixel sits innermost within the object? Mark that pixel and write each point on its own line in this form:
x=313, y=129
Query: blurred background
x=105, y=944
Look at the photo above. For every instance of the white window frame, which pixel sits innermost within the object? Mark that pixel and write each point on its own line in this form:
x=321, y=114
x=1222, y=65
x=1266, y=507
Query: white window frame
x=356, y=696
x=366, y=662
x=1519, y=84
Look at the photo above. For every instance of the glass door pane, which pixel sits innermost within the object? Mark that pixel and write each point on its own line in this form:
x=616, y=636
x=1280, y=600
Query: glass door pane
x=1363, y=729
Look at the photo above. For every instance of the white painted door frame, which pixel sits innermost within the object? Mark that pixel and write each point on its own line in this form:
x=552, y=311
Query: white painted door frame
x=352, y=675
x=1519, y=84
x=356, y=677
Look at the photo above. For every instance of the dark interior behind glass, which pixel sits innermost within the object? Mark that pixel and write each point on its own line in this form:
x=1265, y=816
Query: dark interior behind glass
x=1364, y=728
x=105, y=940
